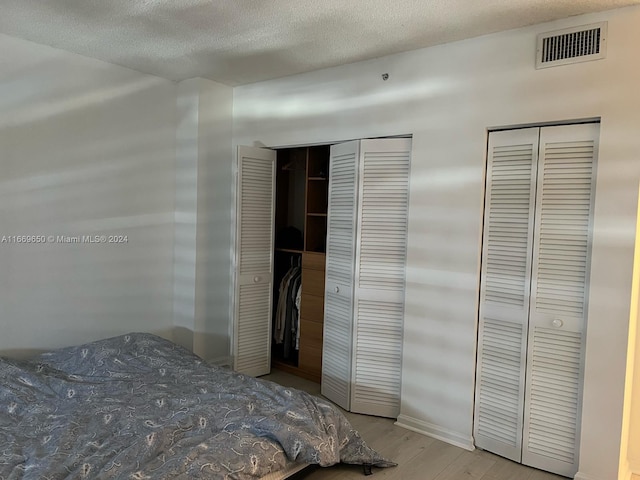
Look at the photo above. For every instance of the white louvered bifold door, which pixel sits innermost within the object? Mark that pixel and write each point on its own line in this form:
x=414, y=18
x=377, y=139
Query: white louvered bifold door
x=340, y=261
x=564, y=203
x=504, y=290
x=381, y=247
x=254, y=260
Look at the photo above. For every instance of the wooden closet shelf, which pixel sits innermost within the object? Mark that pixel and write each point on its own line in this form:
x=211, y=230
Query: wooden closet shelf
x=318, y=179
x=288, y=250
x=316, y=214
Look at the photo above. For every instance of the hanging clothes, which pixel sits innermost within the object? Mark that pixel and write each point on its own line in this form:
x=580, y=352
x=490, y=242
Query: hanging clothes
x=297, y=301
x=287, y=319
x=290, y=325
x=281, y=309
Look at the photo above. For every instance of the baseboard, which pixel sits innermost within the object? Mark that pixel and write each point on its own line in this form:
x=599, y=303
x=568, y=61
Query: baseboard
x=435, y=431
x=626, y=474
x=584, y=476
x=221, y=362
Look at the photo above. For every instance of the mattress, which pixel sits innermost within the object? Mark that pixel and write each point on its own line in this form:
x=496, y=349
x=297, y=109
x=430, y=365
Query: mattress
x=138, y=406
x=288, y=472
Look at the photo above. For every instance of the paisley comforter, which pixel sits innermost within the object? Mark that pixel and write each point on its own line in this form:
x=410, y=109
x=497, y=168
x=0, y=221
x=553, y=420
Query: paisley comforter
x=140, y=407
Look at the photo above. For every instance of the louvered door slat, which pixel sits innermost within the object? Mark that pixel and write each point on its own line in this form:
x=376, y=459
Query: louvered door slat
x=340, y=261
x=559, y=297
x=504, y=290
x=254, y=268
x=380, y=276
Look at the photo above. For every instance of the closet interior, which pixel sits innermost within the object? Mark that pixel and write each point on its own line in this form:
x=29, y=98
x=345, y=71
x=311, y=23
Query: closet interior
x=301, y=189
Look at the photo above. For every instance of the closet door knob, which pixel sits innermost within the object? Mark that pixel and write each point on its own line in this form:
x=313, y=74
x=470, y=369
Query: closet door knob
x=337, y=289
x=256, y=279
x=557, y=322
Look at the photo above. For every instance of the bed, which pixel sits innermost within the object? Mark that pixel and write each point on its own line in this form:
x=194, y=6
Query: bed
x=140, y=407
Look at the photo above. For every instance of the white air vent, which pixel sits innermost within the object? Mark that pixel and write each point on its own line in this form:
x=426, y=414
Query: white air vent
x=571, y=45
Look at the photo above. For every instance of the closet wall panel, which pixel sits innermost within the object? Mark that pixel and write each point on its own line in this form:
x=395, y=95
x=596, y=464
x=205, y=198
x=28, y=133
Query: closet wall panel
x=533, y=298
x=557, y=321
x=512, y=160
x=340, y=265
x=365, y=283
x=380, y=276
x=254, y=269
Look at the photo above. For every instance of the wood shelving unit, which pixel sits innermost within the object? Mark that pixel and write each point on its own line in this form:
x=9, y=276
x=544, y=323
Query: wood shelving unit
x=301, y=204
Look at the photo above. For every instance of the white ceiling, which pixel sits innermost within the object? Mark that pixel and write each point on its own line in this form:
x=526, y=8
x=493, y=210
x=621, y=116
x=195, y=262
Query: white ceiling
x=243, y=41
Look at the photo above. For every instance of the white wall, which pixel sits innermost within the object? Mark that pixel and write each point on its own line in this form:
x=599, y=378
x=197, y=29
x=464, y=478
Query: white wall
x=186, y=211
x=86, y=148
x=202, y=257
x=215, y=176
x=447, y=97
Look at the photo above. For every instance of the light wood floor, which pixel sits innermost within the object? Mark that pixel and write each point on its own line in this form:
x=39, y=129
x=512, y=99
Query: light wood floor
x=418, y=457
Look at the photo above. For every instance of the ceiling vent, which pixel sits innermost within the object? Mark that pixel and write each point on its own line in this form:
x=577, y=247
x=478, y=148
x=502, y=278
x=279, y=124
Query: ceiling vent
x=571, y=45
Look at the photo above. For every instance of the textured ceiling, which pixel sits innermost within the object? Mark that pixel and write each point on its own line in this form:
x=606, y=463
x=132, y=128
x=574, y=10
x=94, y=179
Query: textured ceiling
x=243, y=41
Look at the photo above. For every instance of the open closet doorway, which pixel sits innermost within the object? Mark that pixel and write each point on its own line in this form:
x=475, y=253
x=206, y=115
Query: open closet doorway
x=335, y=232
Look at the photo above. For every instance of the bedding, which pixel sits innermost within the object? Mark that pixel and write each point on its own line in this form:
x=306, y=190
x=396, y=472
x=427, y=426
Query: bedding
x=140, y=407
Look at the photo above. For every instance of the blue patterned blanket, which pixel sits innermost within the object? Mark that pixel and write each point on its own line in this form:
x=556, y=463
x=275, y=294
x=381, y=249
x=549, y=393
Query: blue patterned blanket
x=140, y=407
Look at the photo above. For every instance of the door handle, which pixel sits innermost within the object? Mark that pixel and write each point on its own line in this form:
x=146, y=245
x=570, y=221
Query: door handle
x=557, y=323
x=256, y=279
